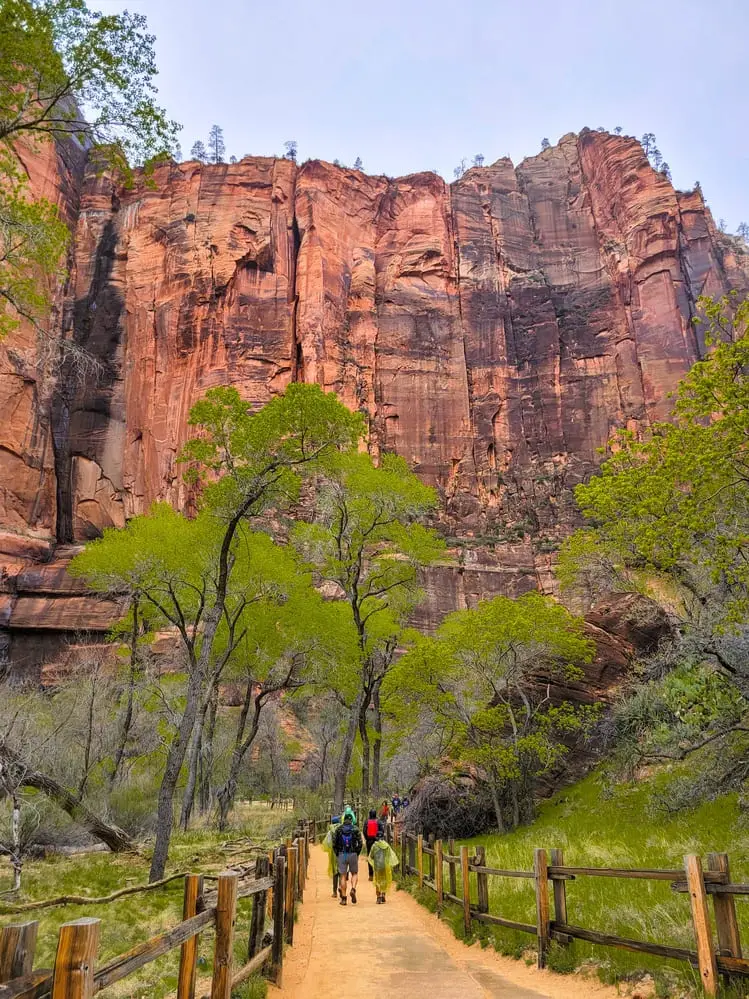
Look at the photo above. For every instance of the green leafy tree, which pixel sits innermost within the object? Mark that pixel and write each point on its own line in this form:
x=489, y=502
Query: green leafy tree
x=195, y=573
x=671, y=512
x=57, y=57
x=487, y=677
x=368, y=542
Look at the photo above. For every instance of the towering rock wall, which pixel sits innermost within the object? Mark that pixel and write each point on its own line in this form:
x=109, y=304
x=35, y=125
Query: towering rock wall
x=494, y=331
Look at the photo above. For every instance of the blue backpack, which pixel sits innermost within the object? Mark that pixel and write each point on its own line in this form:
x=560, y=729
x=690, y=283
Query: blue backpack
x=347, y=838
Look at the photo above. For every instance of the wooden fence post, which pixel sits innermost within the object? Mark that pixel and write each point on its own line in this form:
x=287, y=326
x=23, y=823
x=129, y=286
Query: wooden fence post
x=559, y=886
x=223, y=952
x=431, y=856
x=259, y=902
x=482, y=880
x=404, y=853
x=451, y=866
x=291, y=857
x=438, y=871
x=17, y=945
x=188, y=958
x=279, y=894
x=420, y=859
x=466, y=889
x=412, y=855
x=701, y=921
x=299, y=869
x=724, y=907
x=541, y=877
x=77, y=947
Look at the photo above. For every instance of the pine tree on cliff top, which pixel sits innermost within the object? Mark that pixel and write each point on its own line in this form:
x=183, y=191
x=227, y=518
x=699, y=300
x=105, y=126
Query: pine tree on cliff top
x=216, y=147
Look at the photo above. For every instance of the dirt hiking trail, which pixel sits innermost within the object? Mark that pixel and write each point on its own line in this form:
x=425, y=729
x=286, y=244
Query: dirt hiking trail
x=367, y=949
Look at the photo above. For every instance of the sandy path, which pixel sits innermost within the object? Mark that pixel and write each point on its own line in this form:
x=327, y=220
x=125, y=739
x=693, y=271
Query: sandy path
x=361, y=950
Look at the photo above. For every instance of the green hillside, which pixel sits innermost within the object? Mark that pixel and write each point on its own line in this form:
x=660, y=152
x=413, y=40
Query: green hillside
x=621, y=825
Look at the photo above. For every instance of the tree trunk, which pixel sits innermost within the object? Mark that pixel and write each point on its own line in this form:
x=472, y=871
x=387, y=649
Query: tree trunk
x=194, y=760
x=515, y=805
x=227, y=792
x=127, y=721
x=175, y=759
x=377, y=745
x=115, y=838
x=364, y=753
x=344, y=760
x=16, y=857
x=206, y=776
x=497, y=806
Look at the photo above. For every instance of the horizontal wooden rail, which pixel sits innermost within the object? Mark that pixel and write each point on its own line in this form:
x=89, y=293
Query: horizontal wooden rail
x=711, y=888
x=33, y=986
x=451, y=858
x=125, y=964
x=496, y=872
x=711, y=877
x=733, y=965
x=612, y=940
x=510, y=924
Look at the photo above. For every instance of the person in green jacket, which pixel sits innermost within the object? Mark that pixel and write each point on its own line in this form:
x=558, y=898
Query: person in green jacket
x=327, y=845
x=382, y=859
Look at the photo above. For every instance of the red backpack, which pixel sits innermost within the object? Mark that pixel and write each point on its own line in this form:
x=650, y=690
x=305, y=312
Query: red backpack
x=371, y=829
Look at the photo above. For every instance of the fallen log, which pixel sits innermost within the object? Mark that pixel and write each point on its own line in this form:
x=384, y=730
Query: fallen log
x=24, y=775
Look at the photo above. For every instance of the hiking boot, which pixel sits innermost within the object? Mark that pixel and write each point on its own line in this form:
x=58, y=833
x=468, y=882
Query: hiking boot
x=343, y=899
x=353, y=896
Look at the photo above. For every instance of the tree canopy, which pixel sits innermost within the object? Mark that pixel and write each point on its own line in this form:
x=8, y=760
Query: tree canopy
x=66, y=72
x=486, y=677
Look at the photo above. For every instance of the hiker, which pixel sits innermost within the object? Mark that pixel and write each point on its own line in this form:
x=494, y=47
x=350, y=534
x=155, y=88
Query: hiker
x=396, y=803
x=327, y=845
x=382, y=859
x=384, y=812
x=348, y=813
x=371, y=829
x=347, y=845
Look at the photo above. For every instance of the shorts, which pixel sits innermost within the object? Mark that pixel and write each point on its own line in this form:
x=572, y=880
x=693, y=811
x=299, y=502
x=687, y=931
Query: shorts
x=348, y=862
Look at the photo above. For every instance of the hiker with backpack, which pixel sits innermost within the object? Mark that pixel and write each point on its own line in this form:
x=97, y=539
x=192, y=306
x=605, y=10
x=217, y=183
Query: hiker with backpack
x=382, y=859
x=371, y=829
x=347, y=845
x=327, y=845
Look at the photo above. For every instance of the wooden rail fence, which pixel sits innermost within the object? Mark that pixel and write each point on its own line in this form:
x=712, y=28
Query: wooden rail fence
x=427, y=860
x=275, y=884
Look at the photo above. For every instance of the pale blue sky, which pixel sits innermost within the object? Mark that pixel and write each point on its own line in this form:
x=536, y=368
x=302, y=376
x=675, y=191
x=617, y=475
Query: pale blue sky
x=418, y=85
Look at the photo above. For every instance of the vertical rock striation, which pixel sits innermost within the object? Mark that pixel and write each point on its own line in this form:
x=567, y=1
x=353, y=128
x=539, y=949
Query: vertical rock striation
x=495, y=332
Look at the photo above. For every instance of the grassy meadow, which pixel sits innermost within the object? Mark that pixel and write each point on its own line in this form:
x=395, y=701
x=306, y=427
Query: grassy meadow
x=134, y=918
x=621, y=825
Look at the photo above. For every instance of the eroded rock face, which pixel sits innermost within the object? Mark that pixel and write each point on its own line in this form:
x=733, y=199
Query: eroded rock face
x=494, y=332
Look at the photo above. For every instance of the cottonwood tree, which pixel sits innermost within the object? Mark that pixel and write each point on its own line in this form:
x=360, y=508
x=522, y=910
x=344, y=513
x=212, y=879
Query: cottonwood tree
x=367, y=541
x=487, y=677
x=57, y=57
x=246, y=463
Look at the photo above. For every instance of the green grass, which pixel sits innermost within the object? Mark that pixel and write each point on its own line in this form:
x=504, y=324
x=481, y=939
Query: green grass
x=599, y=826
x=133, y=919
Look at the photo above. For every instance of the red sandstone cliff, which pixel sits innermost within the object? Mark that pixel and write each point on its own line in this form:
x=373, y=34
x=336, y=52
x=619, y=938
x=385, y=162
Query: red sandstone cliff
x=495, y=332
